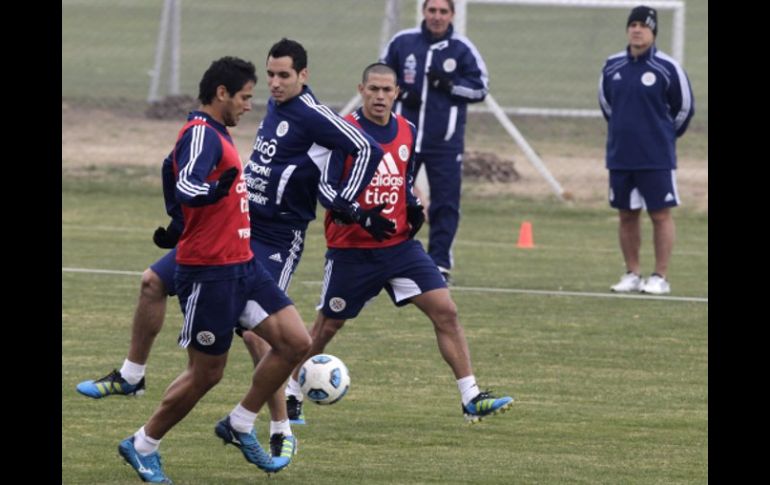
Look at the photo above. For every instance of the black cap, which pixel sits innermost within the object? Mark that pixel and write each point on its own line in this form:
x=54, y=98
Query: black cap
x=646, y=15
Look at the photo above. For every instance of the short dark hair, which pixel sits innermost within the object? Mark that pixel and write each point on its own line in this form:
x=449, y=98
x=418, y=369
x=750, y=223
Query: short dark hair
x=377, y=68
x=292, y=48
x=450, y=2
x=232, y=72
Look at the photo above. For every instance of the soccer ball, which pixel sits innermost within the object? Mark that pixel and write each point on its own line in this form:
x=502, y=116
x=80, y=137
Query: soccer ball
x=324, y=379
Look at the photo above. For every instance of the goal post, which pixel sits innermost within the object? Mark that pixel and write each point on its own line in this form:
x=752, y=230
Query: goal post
x=170, y=30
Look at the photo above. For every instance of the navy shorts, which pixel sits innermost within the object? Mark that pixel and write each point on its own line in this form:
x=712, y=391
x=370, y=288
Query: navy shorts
x=165, y=268
x=212, y=309
x=279, y=261
x=353, y=277
x=643, y=189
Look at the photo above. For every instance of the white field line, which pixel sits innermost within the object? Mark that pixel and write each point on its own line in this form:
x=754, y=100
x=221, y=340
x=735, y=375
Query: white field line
x=477, y=289
x=101, y=271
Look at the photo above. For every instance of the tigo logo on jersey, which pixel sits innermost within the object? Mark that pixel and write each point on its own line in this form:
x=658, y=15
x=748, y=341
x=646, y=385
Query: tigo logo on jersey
x=205, y=338
x=266, y=149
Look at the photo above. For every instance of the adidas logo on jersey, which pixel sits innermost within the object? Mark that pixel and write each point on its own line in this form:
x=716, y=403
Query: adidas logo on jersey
x=387, y=174
x=616, y=77
x=386, y=183
x=669, y=197
x=276, y=257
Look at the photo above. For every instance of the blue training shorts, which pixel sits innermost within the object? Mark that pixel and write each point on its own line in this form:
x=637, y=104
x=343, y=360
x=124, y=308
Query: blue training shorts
x=279, y=261
x=643, y=189
x=212, y=309
x=353, y=277
x=165, y=268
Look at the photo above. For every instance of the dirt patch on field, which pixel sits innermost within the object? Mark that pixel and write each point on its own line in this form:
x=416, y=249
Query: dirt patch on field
x=584, y=181
x=99, y=137
x=94, y=138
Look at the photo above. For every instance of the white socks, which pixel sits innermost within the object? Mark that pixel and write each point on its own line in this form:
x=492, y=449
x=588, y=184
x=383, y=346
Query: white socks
x=292, y=389
x=468, y=388
x=242, y=420
x=143, y=444
x=131, y=372
x=280, y=427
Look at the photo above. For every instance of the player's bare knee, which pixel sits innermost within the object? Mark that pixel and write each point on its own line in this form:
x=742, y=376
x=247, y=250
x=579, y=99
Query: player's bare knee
x=152, y=287
x=209, y=376
x=660, y=216
x=300, y=347
x=293, y=348
x=293, y=354
x=445, y=317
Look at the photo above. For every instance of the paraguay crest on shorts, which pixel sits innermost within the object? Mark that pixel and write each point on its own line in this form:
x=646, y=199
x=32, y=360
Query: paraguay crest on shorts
x=205, y=338
x=337, y=304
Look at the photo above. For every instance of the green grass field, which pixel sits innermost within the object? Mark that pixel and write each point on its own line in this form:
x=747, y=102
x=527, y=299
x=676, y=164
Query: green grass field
x=609, y=390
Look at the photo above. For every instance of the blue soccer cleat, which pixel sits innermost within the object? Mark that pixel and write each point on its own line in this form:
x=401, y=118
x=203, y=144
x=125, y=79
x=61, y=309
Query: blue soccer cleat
x=250, y=447
x=485, y=405
x=149, y=467
x=112, y=383
x=282, y=445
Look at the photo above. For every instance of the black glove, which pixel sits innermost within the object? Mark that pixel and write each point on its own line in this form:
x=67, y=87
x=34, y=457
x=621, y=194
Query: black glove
x=379, y=227
x=410, y=99
x=166, y=238
x=441, y=82
x=341, y=218
x=416, y=217
x=225, y=181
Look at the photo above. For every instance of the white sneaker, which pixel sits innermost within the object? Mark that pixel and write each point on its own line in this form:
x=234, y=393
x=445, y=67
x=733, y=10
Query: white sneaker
x=628, y=282
x=656, y=285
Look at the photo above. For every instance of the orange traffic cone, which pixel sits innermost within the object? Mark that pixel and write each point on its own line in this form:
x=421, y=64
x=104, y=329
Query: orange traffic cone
x=525, y=236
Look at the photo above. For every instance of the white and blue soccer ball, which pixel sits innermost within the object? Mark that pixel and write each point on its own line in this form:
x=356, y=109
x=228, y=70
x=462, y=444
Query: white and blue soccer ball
x=324, y=379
